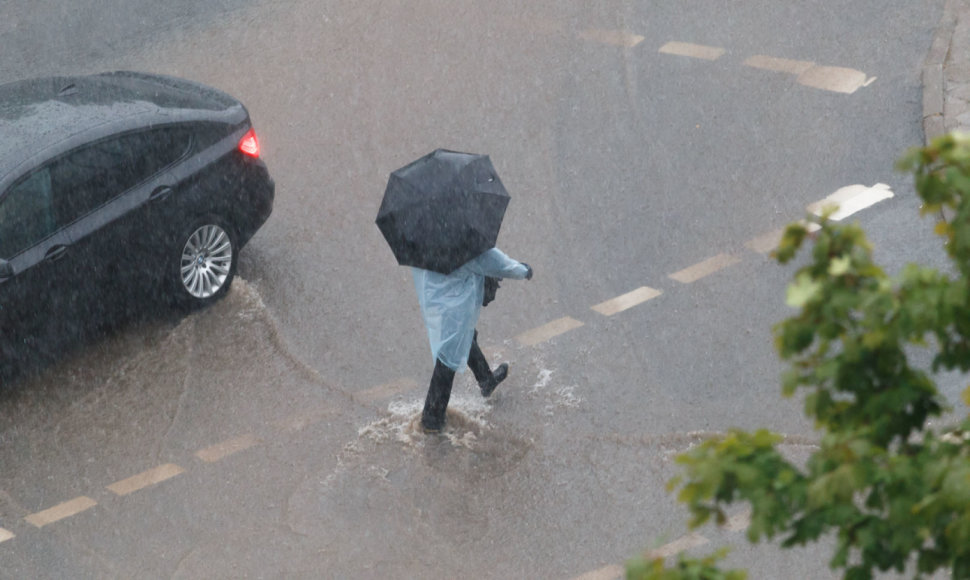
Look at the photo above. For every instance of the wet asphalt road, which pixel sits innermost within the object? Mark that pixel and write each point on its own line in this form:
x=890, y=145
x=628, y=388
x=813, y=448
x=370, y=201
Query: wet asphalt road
x=273, y=435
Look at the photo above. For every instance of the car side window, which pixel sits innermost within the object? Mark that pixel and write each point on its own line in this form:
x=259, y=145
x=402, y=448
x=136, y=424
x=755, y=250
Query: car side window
x=26, y=213
x=95, y=174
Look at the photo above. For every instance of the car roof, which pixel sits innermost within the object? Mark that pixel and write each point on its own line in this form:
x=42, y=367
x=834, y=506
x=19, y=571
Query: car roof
x=45, y=116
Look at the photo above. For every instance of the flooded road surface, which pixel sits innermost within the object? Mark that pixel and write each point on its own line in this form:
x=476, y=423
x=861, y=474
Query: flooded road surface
x=274, y=434
x=353, y=486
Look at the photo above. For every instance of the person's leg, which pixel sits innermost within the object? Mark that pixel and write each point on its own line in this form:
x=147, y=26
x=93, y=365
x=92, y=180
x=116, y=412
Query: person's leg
x=487, y=380
x=477, y=362
x=436, y=403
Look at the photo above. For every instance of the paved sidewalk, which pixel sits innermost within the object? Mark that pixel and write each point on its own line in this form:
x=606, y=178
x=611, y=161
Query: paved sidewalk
x=946, y=73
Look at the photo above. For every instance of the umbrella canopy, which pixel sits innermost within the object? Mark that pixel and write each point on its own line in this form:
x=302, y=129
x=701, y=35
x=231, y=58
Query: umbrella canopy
x=442, y=210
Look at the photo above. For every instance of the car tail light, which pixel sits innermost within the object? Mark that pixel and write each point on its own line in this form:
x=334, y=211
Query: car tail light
x=249, y=144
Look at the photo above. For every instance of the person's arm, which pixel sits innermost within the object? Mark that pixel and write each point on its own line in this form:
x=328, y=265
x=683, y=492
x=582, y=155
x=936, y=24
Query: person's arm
x=496, y=264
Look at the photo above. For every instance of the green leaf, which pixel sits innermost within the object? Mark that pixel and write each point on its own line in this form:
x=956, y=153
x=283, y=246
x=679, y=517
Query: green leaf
x=839, y=266
x=802, y=290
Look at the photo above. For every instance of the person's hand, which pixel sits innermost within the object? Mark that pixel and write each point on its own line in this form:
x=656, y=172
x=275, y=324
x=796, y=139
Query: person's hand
x=528, y=274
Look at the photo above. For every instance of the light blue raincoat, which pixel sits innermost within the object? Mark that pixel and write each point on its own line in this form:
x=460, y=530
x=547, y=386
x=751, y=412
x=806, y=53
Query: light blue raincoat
x=451, y=303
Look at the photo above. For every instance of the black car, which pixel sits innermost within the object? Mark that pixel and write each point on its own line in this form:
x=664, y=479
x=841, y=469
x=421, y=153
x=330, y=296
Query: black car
x=118, y=182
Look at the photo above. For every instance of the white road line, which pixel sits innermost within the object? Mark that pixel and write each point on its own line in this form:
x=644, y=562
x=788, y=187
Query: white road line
x=834, y=78
x=765, y=242
x=739, y=521
x=851, y=199
x=692, y=50
x=6, y=535
x=61, y=511
x=687, y=542
x=613, y=572
x=547, y=331
x=226, y=448
x=613, y=37
x=784, y=65
x=705, y=268
x=385, y=391
x=626, y=301
x=146, y=479
x=828, y=78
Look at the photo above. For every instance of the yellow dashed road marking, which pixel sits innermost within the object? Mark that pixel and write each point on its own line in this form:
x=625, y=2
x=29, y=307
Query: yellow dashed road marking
x=614, y=37
x=547, y=331
x=61, y=511
x=689, y=541
x=705, y=268
x=613, y=572
x=628, y=300
x=692, y=50
x=226, y=448
x=6, y=535
x=146, y=479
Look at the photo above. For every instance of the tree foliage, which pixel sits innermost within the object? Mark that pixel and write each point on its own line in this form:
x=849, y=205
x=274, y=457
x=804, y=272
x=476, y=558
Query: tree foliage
x=891, y=490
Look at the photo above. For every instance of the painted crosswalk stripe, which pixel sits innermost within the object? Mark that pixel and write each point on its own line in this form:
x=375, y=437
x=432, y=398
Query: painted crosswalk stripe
x=6, y=535
x=692, y=50
x=146, y=479
x=627, y=301
x=613, y=572
x=851, y=199
x=613, y=37
x=61, y=511
x=705, y=268
x=547, y=331
x=222, y=450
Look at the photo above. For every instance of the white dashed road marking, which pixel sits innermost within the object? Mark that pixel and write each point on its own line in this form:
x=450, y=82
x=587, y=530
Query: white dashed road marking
x=613, y=572
x=222, y=450
x=547, y=331
x=765, y=242
x=146, y=479
x=626, y=301
x=851, y=199
x=6, y=535
x=828, y=78
x=835, y=78
x=692, y=50
x=705, y=268
x=687, y=542
x=61, y=511
x=738, y=522
x=783, y=65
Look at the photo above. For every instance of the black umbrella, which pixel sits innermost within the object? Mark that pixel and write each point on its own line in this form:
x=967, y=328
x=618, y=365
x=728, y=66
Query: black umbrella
x=442, y=210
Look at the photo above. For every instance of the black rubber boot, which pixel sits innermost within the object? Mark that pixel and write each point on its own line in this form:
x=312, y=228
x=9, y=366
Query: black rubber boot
x=436, y=403
x=488, y=387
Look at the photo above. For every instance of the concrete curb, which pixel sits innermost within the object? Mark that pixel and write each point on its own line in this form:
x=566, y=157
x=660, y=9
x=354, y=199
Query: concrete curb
x=934, y=73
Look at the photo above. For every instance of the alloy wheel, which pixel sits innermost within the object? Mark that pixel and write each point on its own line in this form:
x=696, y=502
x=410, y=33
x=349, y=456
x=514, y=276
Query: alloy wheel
x=206, y=261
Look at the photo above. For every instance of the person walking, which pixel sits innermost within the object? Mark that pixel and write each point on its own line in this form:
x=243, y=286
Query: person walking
x=450, y=305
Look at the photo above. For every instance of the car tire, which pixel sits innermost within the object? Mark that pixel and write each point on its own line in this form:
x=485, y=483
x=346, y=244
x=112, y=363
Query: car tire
x=203, y=263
